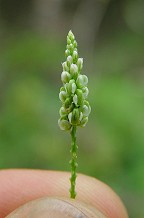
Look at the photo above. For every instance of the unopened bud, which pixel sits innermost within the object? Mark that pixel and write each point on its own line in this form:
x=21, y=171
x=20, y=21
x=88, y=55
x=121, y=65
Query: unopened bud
x=67, y=103
x=82, y=81
x=70, y=117
x=75, y=56
x=75, y=44
x=74, y=117
x=68, y=41
x=62, y=88
x=62, y=111
x=67, y=52
x=75, y=99
x=79, y=97
x=65, y=77
x=80, y=63
x=70, y=47
x=73, y=88
x=85, y=92
x=71, y=35
x=86, y=103
x=86, y=110
x=84, y=121
x=62, y=96
x=64, y=124
x=70, y=87
x=65, y=67
x=69, y=60
x=73, y=69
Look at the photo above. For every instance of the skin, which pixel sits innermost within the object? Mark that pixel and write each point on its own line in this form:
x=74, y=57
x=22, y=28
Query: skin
x=18, y=187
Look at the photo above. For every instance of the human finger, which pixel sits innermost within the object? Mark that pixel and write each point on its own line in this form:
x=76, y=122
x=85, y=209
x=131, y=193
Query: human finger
x=20, y=186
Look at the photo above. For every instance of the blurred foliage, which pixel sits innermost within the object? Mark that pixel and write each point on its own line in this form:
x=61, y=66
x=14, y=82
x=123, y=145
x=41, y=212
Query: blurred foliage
x=111, y=146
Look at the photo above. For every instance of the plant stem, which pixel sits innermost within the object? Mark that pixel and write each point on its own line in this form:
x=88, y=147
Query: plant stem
x=73, y=162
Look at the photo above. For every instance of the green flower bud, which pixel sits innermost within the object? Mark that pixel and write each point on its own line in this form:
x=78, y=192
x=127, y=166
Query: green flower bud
x=74, y=117
x=65, y=77
x=67, y=103
x=70, y=47
x=62, y=89
x=86, y=103
x=73, y=88
x=79, y=97
x=75, y=56
x=85, y=92
x=62, y=96
x=86, y=110
x=70, y=117
x=75, y=99
x=68, y=41
x=65, y=67
x=62, y=111
x=80, y=63
x=75, y=44
x=70, y=87
x=71, y=36
x=67, y=52
x=73, y=70
x=69, y=60
x=84, y=121
x=82, y=81
x=64, y=124
x=70, y=108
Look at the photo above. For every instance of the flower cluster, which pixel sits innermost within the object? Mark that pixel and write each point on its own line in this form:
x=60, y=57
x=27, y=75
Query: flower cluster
x=75, y=108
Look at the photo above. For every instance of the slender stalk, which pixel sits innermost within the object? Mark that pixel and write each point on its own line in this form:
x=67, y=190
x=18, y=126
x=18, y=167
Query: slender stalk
x=73, y=162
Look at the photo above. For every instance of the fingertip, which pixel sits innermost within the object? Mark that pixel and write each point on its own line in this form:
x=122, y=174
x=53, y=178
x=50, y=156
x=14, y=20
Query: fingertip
x=21, y=186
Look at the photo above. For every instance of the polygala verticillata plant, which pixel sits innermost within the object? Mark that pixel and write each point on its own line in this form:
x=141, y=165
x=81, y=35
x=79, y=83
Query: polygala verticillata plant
x=73, y=94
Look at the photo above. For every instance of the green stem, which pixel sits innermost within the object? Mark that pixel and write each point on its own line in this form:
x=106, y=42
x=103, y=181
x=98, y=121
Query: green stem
x=73, y=162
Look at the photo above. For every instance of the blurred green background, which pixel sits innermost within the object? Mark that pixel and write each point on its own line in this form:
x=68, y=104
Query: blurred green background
x=110, y=35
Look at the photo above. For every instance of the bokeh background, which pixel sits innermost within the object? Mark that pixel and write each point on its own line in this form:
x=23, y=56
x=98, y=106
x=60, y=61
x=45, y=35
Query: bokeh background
x=110, y=35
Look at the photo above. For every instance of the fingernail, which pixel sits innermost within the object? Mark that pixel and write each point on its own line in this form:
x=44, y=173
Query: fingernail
x=56, y=208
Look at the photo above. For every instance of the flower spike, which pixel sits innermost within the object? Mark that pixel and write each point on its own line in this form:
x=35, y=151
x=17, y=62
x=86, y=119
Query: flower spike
x=73, y=94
